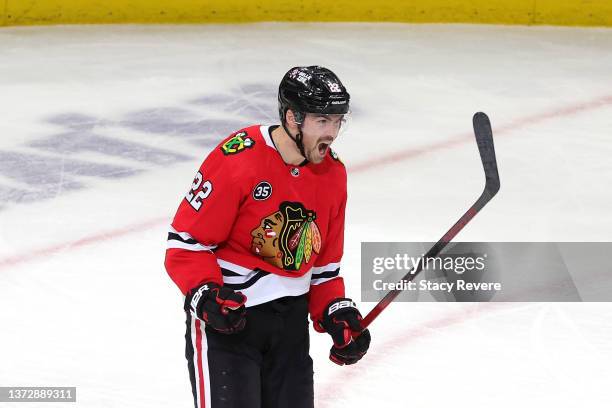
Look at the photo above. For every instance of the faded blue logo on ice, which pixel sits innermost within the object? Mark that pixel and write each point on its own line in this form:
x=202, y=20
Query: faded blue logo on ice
x=112, y=149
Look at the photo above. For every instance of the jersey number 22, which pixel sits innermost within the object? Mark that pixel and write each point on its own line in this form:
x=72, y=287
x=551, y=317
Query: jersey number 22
x=199, y=191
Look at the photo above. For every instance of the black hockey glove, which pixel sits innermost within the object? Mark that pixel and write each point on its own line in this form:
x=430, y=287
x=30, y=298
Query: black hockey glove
x=342, y=321
x=221, y=308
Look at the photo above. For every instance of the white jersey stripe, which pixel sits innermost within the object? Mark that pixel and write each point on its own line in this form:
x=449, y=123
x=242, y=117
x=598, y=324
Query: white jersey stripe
x=271, y=286
x=236, y=280
x=195, y=359
x=233, y=267
x=260, y=286
x=185, y=235
x=189, y=247
x=265, y=132
x=321, y=280
x=206, y=373
x=326, y=268
x=193, y=245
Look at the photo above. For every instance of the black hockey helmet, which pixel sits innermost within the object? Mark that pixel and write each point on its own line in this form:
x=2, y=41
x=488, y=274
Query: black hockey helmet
x=312, y=89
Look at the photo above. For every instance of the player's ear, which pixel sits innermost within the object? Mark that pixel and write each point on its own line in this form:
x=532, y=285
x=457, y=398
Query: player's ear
x=290, y=118
x=294, y=118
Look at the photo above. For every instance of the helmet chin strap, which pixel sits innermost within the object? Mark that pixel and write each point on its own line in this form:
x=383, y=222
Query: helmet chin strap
x=297, y=139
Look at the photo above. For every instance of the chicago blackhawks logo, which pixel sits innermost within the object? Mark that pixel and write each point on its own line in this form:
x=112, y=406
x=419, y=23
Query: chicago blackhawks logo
x=236, y=144
x=288, y=237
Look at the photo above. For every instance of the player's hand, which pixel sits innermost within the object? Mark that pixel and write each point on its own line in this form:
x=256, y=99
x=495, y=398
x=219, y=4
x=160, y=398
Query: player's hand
x=342, y=321
x=221, y=308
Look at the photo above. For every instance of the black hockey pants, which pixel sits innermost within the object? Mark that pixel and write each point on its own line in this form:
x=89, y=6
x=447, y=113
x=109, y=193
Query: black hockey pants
x=267, y=365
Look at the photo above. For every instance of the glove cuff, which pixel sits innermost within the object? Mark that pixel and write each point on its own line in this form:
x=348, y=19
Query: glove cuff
x=339, y=304
x=336, y=306
x=318, y=326
x=194, y=297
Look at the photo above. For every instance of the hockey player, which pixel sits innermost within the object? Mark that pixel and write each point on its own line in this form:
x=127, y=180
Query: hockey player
x=256, y=245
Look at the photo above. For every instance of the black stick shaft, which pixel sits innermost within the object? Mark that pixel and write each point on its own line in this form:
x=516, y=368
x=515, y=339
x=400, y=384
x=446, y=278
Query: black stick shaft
x=484, y=139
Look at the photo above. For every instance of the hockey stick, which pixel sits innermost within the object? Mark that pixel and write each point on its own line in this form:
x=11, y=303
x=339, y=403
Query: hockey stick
x=484, y=139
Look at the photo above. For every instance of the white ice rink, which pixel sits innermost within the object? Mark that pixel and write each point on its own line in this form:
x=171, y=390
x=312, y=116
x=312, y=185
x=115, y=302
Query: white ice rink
x=102, y=129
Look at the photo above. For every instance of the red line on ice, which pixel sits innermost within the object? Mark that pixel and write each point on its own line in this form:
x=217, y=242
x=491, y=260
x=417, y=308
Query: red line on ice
x=395, y=157
x=514, y=125
x=91, y=239
x=335, y=387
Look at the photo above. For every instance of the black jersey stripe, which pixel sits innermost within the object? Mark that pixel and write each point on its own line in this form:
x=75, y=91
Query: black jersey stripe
x=227, y=272
x=176, y=237
x=328, y=274
x=237, y=286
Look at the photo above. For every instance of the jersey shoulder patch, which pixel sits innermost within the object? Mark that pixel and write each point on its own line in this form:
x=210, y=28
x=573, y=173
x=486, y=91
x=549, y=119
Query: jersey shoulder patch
x=237, y=143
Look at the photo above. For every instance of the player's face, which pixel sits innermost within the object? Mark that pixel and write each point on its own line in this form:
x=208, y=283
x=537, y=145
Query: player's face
x=318, y=133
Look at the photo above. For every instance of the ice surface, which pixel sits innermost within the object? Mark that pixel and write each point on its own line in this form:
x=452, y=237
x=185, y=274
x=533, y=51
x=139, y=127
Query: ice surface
x=103, y=128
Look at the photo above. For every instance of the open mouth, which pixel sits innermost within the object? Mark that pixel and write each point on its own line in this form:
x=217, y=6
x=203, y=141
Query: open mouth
x=323, y=148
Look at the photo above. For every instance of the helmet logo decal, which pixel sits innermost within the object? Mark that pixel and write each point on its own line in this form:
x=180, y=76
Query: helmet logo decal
x=288, y=237
x=301, y=76
x=237, y=143
x=333, y=86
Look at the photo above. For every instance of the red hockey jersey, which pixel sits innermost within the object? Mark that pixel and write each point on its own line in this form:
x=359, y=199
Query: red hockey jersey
x=260, y=226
